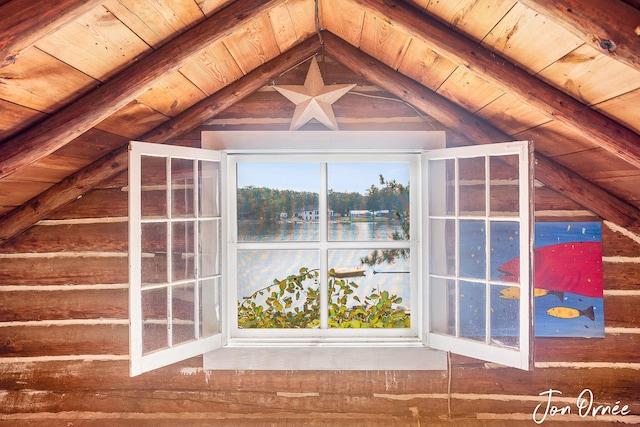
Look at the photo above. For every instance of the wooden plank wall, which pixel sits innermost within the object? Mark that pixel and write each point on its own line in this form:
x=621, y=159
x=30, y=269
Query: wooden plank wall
x=64, y=331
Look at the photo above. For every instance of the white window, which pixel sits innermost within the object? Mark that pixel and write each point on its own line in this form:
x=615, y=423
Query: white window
x=275, y=257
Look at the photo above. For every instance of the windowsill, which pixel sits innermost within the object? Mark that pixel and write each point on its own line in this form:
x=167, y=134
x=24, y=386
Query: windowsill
x=326, y=358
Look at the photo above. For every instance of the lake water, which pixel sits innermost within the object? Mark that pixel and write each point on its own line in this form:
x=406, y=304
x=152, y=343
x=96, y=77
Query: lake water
x=258, y=267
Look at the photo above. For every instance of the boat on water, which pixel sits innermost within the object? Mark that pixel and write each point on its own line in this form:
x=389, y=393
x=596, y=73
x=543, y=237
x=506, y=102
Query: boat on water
x=348, y=272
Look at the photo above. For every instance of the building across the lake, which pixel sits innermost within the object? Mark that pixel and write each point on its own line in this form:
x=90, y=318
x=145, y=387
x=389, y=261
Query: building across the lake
x=366, y=215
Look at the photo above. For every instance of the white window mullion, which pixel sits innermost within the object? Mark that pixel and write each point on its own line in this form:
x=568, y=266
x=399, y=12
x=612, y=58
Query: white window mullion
x=456, y=186
x=487, y=245
x=196, y=249
x=169, y=199
x=324, y=247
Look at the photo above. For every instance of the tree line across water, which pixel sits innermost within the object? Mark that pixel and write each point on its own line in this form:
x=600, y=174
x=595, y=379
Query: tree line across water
x=267, y=204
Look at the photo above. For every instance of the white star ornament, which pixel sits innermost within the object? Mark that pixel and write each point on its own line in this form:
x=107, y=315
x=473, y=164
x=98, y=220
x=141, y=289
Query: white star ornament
x=313, y=100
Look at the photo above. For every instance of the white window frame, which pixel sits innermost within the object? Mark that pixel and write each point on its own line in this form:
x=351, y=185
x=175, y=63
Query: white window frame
x=406, y=336
x=316, y=352
x=139, y=361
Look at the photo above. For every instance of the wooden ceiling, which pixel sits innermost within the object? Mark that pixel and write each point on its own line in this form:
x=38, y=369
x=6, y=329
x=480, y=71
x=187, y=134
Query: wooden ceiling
x=82, y=78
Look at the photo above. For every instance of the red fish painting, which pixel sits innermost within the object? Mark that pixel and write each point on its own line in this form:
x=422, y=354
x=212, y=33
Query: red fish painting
x=574, y=267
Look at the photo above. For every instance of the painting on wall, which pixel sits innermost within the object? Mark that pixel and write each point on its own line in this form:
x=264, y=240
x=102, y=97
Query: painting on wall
x=568, y=279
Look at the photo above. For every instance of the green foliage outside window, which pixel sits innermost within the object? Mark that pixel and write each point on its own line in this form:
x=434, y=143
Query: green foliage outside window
x=282, y=307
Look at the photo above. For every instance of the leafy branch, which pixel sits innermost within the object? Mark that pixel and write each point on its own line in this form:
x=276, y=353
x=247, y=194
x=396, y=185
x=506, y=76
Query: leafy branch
x=295, y=303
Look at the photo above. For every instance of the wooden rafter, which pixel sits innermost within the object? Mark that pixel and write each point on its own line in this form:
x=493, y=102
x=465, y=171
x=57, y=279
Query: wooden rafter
x=72, y=121
x=476, y=129
x=23, y=22
x=609, y=26
x=105, y=168
x=576, y=116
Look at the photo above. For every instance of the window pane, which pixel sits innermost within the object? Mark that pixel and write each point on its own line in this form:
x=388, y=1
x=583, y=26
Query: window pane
x=210, y=247
x=368, y=201
x=154, y=252
x=442, y=190
x=505, y=250
x=505, y=316
x=442, y=305
x=278, y=201
x=154, y=319
x=473, y=310
x=472, y=191
x=182, y=313
x=209, y=186
x=442, y=247
x=505, y=192
x=369, y=288
x=183, y=251
x=153, y=198
x=473, y=249
x=182, y=187
x=278, y=289
x=210, y=307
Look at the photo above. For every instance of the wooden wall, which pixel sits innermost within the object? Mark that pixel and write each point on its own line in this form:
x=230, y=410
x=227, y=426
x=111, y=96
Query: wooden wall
x=64, y=331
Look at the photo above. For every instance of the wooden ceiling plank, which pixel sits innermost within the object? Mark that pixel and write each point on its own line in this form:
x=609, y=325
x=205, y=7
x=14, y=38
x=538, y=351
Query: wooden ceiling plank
x=132, y=120
x=511, y=38
x=41, y=82
x=155, y=21
x=100, y=103
x=473, y=18
x=23, y=22
x=211, y=69
x=608, y=26
x=591, y=76
x=424, y=65
x=468, y=90
x=15, y=118
x=342, y=18
x=110, y=165
x=589, y=123
x=172, y=94
x=383, y=41
x=302, y=14
x=475, y=129
x=512, y=116
x=624, y=108
x=97, y=44
x=253, y=44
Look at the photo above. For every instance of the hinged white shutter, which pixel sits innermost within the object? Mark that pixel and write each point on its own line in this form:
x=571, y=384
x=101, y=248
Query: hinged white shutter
x=478, y=252
x=175, y=253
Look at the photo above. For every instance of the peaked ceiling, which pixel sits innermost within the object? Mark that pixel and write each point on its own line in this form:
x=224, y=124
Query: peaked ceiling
x=82, y=78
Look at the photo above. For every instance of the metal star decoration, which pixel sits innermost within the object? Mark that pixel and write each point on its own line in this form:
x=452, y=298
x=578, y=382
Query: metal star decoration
x=313, y=100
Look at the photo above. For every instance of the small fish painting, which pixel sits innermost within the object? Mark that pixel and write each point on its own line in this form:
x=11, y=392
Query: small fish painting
x=513, y=292
x=572, y=313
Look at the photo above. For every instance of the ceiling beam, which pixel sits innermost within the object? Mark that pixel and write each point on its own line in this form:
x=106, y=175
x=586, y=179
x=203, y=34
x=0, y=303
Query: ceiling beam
x=475, y=129
x=576, y=116
x=609, y=26
x=67, y=124
x=24, y=22
x=108, y=166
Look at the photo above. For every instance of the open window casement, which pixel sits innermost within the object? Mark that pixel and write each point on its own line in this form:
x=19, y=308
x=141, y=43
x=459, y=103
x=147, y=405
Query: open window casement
x=472, y=219
x=478, y=252
x=175, y=253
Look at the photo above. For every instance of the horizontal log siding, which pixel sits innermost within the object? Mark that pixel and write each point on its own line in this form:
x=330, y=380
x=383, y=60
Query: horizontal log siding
x=64, y=338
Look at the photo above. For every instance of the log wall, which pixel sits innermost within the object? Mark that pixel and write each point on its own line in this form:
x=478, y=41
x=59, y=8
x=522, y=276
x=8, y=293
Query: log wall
x=64, y=333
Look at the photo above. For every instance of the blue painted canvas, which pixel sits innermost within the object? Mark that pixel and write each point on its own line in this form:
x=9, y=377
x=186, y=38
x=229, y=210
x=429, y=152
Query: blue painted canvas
x=568, y=264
